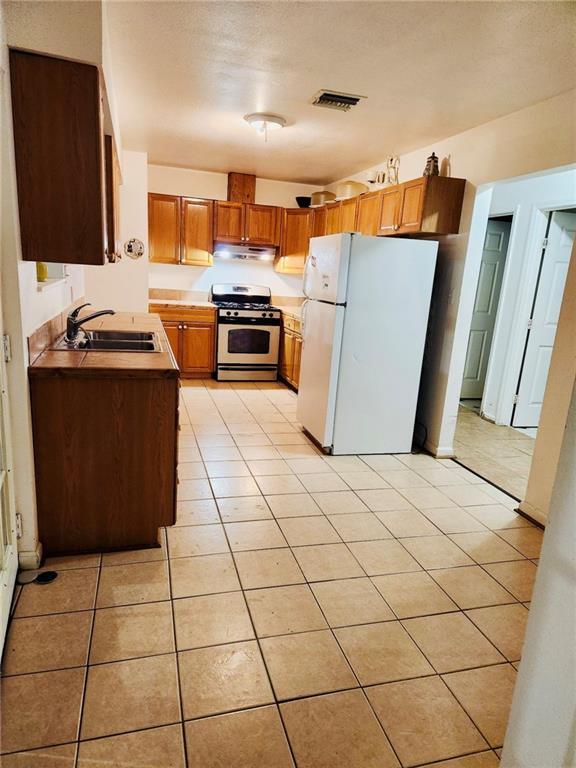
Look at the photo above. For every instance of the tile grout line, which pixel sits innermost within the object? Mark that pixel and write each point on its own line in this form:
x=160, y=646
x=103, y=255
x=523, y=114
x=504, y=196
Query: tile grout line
x=87, y=668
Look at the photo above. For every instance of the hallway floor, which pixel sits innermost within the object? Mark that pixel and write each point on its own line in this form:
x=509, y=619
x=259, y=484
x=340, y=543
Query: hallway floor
x=500, y=454
x=323, y=612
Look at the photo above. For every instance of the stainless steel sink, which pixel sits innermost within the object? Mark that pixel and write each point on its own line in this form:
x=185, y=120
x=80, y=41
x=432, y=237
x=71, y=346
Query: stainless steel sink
x=121, y=335
x=112, y=341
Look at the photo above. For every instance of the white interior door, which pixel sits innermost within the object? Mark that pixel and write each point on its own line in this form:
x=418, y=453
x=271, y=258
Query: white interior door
x=545, y=313
x=8, y=546
x=485, y=308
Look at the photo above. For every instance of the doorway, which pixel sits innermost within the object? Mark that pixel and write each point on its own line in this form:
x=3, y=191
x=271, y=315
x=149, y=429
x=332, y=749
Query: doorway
x=485, y=310
x=541, y=329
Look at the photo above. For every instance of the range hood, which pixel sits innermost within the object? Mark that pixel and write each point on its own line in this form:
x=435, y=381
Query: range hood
x=227, y=251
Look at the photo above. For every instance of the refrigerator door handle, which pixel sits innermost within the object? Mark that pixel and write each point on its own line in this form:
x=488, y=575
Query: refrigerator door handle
x=303, y=319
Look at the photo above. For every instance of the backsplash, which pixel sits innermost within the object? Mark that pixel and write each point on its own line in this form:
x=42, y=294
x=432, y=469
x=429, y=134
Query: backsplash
x=199, y=279
x=172, y=294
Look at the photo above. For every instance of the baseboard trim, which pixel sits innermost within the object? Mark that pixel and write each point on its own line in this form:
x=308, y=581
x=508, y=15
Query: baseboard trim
x=438, y=451
x=30, y=559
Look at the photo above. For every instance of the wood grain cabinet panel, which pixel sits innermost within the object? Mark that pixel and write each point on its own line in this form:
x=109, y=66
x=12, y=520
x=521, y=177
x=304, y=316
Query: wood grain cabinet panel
x=348, y=209
x=173, y=334
x=164, y=228
x=228, y=222
x=59, y=153
x=368, y=213
x=391, y=203
x=296, y=232
x=286, y=367
x=112, y=482
x=410, y=218
x=333, y=217
x=262, y=225
x=113, y=182
x=296, y=360
x=319, y=221
x=197, y=347
x=197, y=231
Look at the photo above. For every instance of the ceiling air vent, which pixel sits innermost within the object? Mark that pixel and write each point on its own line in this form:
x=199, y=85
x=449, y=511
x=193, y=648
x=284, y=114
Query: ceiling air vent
x=335, y=100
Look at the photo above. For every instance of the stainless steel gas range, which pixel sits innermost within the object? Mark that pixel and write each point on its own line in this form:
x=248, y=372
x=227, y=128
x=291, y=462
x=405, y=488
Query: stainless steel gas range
x=248, y=333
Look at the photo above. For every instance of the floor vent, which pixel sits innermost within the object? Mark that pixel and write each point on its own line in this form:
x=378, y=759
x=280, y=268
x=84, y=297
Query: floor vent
x=335, y=100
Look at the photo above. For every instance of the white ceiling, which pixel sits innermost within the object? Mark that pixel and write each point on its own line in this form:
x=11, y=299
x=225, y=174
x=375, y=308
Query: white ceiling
x=187, y=72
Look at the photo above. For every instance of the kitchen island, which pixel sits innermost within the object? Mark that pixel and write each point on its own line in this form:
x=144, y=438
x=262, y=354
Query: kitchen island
x=105, y=426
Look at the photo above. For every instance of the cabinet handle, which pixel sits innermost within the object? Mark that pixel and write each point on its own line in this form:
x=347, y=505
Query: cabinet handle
x=246, y=238
x=185, y=327
x=179, y=327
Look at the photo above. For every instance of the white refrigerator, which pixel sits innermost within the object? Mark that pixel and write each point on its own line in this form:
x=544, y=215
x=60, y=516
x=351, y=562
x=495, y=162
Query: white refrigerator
x=364, y=324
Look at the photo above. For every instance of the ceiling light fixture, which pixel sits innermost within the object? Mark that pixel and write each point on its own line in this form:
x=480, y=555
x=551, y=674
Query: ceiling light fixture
x=264, y=122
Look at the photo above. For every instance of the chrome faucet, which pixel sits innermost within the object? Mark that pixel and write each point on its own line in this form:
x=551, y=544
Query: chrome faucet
x=73, y=324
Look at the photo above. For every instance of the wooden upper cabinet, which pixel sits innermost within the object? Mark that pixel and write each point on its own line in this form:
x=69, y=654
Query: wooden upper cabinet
x=59, y=153
x=333, y=216
x=296, y=233
x=164, y=228
x=412, y=205
x=319, y=221
x=391, y=203
x=348, y=210
x=228, y=222
x=241, y=187
x=368, y=213
x=197, y=231
x=262, y=225
x=430, y=204
x=113, y=182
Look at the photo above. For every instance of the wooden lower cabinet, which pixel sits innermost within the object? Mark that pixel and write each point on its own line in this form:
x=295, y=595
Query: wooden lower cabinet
x=105, y=446
x=290, y=352
x=191, y=332
x=197, y=355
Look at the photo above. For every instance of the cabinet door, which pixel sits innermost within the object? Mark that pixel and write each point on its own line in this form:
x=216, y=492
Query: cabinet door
x=262, y=225
x=113, y=181
x=410, y=218
x=197, y=231
x=59, y=155
x=164, y=228
x=287, y=355
x=348, y=215
x=228, y=222
x=390, y=210
x=296, y=231
x=297, y=359
x=173, y=332
x=197, y=347
x=368, y=216
x=319, y=221
x=333, y=214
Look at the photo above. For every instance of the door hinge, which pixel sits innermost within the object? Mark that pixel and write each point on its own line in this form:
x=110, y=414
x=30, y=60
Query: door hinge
x=529, y=323
x=19, y=527
x=7, y=348
x=544, y=243
x=515, y=399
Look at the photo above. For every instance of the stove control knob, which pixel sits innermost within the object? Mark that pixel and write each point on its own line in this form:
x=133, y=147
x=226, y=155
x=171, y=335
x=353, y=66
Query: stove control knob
x=228, y=312
x=271, y=314
x=263, y=314
x=235, y=313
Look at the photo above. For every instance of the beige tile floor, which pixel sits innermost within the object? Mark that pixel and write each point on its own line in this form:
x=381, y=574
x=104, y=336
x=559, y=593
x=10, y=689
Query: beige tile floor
x=305, y=611
x=501, y=455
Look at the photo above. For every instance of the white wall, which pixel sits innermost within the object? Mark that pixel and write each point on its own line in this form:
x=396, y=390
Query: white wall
x=186, y=182
x=123, y=286
x=72, y=30
x=542, y=726
x=539, y=137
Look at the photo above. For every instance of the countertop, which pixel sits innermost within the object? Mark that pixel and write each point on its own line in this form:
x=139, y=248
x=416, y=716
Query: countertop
x=295, y=312
x=156, y=305
x=85, y=363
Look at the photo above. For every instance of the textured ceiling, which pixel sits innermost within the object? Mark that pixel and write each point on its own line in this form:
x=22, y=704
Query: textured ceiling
x=187, y=72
